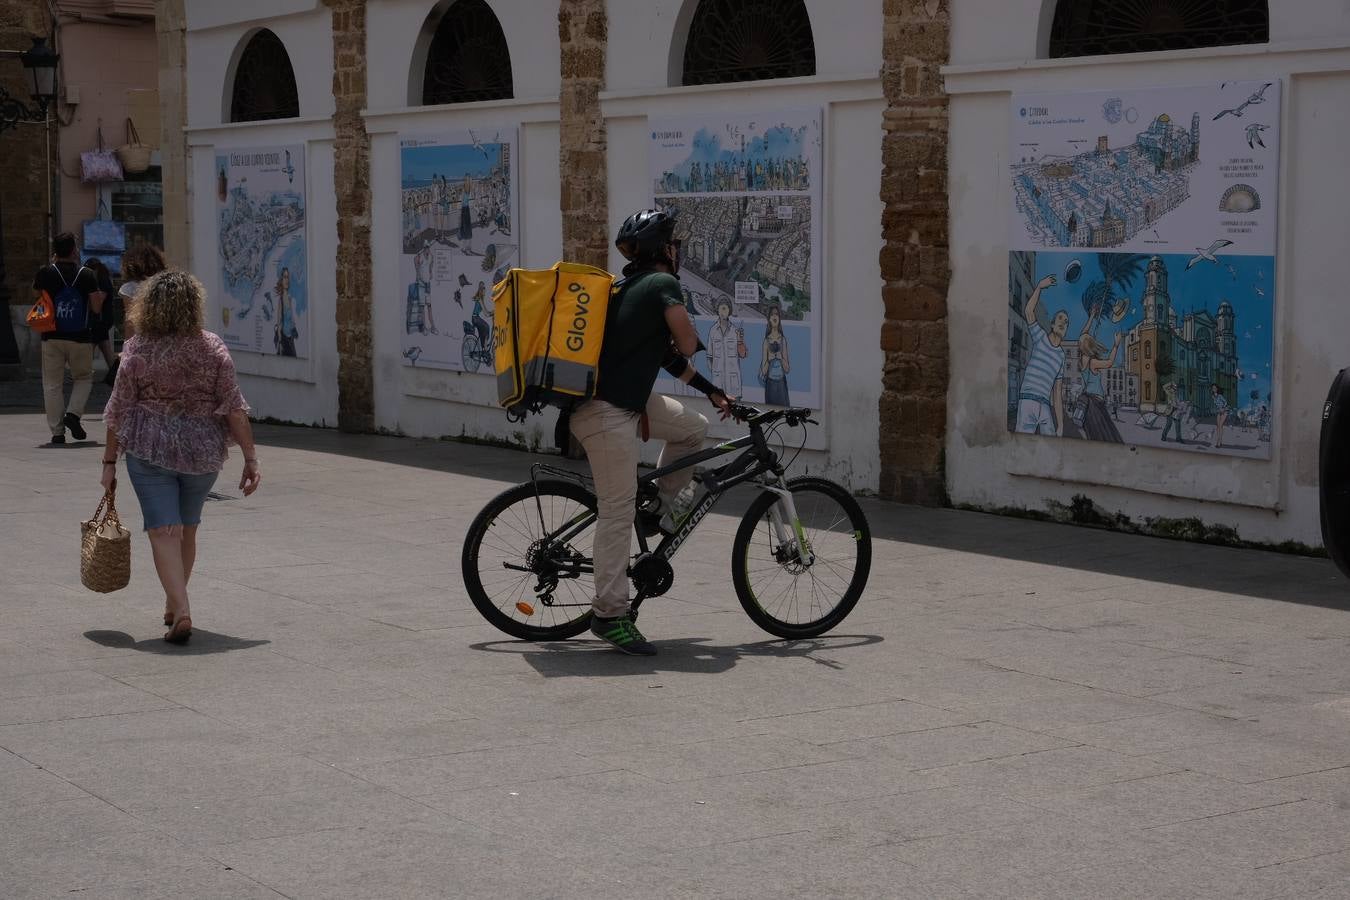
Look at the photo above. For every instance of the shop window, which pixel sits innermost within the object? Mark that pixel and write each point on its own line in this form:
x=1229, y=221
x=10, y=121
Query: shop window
x=264, y=82
x=1102, y=27
x=748, y=40
x=468, y=59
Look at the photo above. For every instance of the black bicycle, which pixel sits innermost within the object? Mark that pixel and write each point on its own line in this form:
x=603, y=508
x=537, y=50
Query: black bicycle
x=799, y=561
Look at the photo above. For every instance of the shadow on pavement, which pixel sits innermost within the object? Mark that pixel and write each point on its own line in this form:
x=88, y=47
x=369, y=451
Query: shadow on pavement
x=1112, y=554
x=201, y=643
x=559, y=659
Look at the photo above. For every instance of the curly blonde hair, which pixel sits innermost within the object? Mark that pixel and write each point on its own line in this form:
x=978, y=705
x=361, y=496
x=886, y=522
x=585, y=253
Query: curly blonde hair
x=170, y=303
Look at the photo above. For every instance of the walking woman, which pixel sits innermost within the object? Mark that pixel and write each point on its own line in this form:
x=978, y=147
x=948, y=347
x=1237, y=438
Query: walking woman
x=174, y=409
x=1220, y=414
x=141, y=262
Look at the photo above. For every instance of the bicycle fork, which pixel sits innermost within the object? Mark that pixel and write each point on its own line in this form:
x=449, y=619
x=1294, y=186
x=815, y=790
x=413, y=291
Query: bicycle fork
x=787, y=526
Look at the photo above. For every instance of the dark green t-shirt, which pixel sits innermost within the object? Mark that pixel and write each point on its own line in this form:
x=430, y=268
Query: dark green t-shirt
x=636, y=338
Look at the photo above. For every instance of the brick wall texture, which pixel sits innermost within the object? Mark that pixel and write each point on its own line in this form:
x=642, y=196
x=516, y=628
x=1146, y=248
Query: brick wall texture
x=356, y=381
x=582, y=32
x=23, y=165
x=914, y=256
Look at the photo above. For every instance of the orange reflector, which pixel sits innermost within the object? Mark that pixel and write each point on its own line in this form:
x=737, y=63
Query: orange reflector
x=525, y=608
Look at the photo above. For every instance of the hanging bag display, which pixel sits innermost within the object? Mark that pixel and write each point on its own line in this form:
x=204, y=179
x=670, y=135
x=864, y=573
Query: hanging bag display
x=134, y=156
x=99, y=164
x=105, y=548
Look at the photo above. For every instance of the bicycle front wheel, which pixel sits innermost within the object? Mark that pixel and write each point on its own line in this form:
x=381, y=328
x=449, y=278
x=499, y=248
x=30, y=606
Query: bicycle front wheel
x=527, y=560
x=796, y=591
x=469, y=353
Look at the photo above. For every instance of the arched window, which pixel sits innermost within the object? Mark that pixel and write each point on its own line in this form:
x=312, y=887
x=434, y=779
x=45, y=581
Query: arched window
x=748, y=40
x=264, y=82
x=1100, y=27
x=468, y=58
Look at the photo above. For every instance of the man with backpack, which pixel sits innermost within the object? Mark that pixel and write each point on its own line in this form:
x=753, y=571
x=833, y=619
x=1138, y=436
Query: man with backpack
x=75, y=294
x=645, y=318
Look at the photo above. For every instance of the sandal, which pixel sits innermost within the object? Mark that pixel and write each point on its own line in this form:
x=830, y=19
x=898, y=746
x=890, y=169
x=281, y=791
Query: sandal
x=181, y=631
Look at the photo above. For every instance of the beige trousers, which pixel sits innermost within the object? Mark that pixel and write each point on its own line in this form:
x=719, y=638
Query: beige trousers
x=610, y=436
x=56, y=356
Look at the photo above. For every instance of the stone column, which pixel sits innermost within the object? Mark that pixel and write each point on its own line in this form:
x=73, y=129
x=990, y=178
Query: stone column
x=914, y=255
x=171, y=41
x=351, y=149
x=583, y=31
x=25, y=171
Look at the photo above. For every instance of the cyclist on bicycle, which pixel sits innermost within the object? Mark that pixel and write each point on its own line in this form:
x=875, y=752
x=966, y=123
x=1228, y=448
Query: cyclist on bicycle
x=646, y=318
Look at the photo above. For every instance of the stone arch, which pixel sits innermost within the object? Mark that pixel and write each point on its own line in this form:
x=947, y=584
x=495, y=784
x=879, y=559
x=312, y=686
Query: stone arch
x=261, y=80
x=461, y=56
x=1104, y=27
x=720, y=41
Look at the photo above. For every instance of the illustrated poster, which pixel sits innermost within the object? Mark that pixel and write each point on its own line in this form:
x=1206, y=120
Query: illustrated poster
x=260, y=201
x=460, y=236
x=747, y=192
x=1141, y=272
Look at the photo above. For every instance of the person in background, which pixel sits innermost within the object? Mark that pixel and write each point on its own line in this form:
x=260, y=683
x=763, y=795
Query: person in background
x=141, y=262
x=101, y=325
x=175, y=408
x=75, y=292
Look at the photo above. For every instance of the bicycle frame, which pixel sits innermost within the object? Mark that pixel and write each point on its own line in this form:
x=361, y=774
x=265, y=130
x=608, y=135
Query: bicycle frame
x=755, y=460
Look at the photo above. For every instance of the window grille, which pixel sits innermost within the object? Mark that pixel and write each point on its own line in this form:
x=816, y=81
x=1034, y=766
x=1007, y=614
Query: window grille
x=468, y=59
x=748, y=40
x=264, y=82
x=1101, y=27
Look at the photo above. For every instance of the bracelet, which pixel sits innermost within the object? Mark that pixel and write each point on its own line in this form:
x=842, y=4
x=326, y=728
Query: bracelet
x=250, y=459
x=112, y=462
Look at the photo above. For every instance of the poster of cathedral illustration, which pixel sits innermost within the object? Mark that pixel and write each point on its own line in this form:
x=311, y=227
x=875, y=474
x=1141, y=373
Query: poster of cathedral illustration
x=459, y=237
x=747, y=192
x=1141, y=271
x=260, y=208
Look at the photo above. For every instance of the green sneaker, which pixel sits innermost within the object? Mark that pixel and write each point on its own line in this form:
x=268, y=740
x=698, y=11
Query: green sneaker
x=622, y=632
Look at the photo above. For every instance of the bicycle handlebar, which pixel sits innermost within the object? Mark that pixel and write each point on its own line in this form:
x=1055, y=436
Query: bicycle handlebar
x=793, y=415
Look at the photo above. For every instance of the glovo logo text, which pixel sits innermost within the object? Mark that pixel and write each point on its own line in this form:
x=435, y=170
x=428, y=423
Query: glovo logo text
x=576, y=334
x=501, y=327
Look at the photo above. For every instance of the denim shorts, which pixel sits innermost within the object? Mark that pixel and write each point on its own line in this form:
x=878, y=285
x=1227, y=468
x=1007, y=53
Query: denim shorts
x=168, y=497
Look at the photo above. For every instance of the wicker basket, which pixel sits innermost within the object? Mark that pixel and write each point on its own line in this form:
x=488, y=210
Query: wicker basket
x=105, y=548
x=134, y=156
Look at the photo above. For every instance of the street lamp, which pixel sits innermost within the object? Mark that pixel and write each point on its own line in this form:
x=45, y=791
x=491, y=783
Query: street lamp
x=40, y=63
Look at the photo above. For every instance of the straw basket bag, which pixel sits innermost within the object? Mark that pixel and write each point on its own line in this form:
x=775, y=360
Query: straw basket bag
x=105, y=548
x=134, y=155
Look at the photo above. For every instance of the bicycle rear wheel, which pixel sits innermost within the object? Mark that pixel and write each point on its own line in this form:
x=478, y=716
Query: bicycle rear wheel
x=523, y=579
x=783, y=592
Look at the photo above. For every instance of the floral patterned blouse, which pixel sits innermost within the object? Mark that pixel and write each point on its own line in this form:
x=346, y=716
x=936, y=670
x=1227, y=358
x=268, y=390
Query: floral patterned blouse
x=170, y=400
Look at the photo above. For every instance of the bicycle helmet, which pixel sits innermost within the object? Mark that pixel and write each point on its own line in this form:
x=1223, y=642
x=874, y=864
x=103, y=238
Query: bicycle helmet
x=643, y=236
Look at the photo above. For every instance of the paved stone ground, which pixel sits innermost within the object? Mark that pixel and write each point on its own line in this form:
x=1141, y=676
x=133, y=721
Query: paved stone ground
x=1015, y=709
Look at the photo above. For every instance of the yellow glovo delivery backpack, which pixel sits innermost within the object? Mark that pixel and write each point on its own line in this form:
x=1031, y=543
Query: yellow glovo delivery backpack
x=547, y=326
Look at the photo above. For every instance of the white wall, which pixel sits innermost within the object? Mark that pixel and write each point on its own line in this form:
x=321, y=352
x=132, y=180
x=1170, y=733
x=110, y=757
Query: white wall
x=293, y=390
x=644, y=39
x=645, y=47
x=994, y=52
x=431, y=402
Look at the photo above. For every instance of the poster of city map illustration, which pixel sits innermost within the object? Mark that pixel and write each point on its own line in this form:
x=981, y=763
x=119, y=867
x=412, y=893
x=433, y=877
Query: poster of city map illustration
x=747, y=192
x=459, y=238
x=260, y=201
x=1141, y=271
